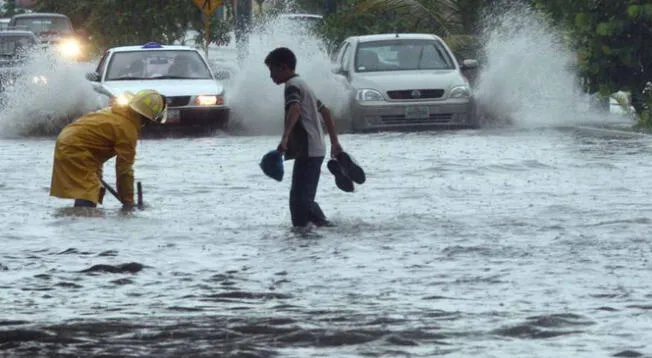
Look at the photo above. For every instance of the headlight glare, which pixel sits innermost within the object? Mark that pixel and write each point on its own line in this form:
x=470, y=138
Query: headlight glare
x=122, y=100
x=206, y=100
x=70, y=48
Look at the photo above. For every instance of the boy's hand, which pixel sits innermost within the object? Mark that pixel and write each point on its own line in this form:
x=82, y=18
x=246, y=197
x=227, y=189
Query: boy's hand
x=336, y=148
x=283, y=146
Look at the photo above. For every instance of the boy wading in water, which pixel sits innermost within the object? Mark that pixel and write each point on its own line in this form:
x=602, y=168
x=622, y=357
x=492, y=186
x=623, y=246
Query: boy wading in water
x=303, y=137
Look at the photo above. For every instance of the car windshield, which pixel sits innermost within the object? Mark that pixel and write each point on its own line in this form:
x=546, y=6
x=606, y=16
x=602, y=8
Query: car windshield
x=401, y=55
x=44, y=25
x=159, y=64
x=15, y=45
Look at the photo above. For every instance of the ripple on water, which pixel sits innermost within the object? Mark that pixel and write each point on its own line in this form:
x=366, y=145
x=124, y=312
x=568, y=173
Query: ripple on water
x=171, y=336
x=546, y=326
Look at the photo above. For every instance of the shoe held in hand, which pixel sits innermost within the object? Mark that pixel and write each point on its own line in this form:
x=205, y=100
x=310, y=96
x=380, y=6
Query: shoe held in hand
x=341, y=180
x=351, y=168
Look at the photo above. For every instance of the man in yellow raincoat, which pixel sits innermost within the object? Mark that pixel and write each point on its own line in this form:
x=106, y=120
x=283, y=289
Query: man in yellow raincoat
x=85, y=145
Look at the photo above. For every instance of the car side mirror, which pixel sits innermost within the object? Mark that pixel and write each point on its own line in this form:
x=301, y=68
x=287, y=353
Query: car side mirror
x=469, y=64
x=93, y=76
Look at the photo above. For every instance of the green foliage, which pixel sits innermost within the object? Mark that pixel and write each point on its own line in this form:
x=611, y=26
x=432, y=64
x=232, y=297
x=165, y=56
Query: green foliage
x=219, y=32
x=348, y=20
x=465, y=46
x=611, y=41
x=634, y=11
x=645, y=117
x=363, y=17
x=457, y=21
x=130, y=22
x=10, y=9
x=582, y=20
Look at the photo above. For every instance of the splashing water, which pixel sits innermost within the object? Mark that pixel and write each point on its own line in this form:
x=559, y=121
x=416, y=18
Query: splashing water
x=49, y=93
x=528, y=78
x=256, y=102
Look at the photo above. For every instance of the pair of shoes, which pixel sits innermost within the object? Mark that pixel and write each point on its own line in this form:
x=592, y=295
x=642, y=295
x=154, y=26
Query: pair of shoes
x=346, y=171
x=341, y=180
x=351, y=168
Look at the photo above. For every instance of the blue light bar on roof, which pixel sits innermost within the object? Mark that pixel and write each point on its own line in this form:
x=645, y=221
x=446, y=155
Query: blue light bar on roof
x=152, y=45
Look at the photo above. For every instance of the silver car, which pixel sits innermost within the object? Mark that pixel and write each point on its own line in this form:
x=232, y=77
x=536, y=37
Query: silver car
x=403, y=81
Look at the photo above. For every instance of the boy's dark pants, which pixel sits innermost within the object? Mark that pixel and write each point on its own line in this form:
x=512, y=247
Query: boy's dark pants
x=305, y=178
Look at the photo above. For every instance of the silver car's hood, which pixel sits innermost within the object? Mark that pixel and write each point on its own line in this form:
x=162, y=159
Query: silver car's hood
x=406, y=80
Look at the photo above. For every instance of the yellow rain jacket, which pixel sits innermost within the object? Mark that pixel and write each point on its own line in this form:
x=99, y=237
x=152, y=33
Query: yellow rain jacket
x=85, y=145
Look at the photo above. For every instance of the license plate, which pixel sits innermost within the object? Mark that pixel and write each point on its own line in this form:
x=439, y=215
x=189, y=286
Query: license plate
x=417, y=112
x=174, y=116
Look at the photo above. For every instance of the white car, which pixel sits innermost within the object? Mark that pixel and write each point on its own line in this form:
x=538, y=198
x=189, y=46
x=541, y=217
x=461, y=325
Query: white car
x=404, y=81
x=195, y=96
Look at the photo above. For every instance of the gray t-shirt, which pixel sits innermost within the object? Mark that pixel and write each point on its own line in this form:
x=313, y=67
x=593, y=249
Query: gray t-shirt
x=307, y=137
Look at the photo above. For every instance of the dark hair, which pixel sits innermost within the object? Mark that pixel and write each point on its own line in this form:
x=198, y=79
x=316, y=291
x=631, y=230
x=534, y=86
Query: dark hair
x=281, y=56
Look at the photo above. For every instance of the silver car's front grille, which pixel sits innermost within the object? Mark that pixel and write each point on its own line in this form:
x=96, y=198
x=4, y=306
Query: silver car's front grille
x=400, y=119
x=414, y=94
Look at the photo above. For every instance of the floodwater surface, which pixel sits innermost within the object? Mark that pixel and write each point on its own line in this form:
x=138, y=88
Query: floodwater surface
x=492, y=243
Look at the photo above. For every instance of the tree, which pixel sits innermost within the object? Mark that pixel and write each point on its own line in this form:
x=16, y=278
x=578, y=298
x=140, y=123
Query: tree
x=362, y=17
x=610, y=38
x=219, y=29
x=129, y=22
x=9, y=9
x=455, y=20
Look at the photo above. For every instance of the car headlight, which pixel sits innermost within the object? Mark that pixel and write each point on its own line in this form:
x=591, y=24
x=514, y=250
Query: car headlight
x=366, y=94
x=209, y=100
x=460, y=92
x=70, y=48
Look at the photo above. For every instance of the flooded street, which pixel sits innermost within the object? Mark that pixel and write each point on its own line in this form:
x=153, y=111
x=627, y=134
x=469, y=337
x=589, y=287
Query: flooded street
x=492, y=243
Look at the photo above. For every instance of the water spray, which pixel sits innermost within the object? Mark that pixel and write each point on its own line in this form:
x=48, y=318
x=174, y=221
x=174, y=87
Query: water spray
x=528, y=78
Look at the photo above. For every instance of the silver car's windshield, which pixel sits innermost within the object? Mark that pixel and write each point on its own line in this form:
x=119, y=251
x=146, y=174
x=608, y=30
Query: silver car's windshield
x=44, y=25
x=402, y=55
x=151, y=65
